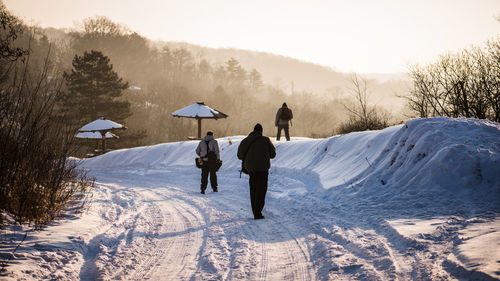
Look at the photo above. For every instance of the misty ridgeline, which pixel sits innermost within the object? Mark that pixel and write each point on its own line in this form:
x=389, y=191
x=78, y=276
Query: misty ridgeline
x=169, y=79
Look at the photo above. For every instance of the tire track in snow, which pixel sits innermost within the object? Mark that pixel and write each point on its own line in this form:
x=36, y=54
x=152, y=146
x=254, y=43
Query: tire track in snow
x=178, y=242
x=289, y=260
x=304, y=263
x=145, y=266
x=279, y=255
x=113, y=249
x=264, y=262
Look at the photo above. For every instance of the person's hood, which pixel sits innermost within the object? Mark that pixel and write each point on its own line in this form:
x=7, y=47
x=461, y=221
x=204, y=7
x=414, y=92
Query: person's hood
x=255, y=134
x=208, y=138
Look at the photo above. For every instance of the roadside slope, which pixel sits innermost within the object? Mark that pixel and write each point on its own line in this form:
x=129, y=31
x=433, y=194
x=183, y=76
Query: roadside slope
x=456, y=159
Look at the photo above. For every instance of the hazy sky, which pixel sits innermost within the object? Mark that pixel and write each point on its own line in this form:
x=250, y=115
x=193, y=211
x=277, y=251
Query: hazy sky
x=366, y=36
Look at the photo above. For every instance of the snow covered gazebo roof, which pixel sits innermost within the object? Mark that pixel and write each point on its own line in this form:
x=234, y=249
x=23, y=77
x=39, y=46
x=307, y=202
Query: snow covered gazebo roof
x=101, y=124
x=199, y=110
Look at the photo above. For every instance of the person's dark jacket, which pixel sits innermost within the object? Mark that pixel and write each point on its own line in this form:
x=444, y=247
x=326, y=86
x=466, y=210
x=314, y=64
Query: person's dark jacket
x=283, y=122
x=259, y=155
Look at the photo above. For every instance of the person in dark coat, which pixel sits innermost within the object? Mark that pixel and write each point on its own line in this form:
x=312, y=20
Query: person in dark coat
x=283, y=116
x=208, y=150
x=257, y=150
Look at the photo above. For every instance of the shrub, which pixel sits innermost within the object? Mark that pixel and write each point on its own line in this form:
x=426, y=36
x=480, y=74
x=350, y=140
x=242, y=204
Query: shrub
x=461, y=84
x=37, y=181
x=374, y=122
x=362, y=116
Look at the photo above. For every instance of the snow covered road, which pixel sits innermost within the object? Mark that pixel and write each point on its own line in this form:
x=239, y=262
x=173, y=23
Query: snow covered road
x=180, y=234
x=332, y=213
x=162, y=228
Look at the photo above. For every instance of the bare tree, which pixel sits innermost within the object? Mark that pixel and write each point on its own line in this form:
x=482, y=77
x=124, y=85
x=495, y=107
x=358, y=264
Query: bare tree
x=492, y=84
x=362, y=116
x=462, y=84
x=103, y=26
x=417, y=100
x=359, y=91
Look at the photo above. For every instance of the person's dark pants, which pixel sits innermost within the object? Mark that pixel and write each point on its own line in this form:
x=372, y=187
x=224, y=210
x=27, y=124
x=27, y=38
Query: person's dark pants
x=287, y=133
x=204, y=177
x=258, y=190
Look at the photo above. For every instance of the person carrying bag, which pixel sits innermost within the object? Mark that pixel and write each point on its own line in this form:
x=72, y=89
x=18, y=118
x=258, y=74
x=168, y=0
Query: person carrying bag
x=256, y=151
x=208, y=150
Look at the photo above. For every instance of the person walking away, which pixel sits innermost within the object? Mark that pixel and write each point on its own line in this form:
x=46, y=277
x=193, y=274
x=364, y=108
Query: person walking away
x=257, y=151
x=208, y=150
x=283, y=116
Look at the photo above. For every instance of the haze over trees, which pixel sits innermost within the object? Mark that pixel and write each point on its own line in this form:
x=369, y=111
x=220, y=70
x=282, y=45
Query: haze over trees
x=173, y=78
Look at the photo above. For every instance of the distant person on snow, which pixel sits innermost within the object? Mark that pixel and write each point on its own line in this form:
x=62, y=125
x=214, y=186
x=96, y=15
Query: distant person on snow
x=283, y=116
x=208, y=150
x=257, y=152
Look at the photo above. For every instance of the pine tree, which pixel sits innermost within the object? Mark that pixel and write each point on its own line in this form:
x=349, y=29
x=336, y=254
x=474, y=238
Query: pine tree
x=255, y=79
x=94, y=90
x=11, y=28
x=237, y=74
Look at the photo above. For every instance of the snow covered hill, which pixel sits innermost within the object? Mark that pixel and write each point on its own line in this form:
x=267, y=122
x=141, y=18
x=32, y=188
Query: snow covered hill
x=436, y=162
x=416, y=201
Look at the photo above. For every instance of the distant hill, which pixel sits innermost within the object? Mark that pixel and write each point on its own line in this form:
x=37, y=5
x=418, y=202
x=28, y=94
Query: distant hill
x=289, y=73
x=286, y=72
x=276, y=69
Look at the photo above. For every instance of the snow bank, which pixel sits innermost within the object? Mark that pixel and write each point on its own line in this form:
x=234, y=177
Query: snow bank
x=448, y=163
x=438, y=162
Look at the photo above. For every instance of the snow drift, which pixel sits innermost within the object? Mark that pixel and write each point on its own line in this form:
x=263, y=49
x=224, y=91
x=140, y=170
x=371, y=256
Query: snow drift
x=449, y=164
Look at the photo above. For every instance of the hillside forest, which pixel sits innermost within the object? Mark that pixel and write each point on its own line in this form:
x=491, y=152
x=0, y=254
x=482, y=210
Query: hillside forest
x=162, y=79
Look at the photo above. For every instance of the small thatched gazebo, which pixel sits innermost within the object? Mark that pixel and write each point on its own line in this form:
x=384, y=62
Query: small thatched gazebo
x=95, y=136
x=199, y=111
x=102, y=127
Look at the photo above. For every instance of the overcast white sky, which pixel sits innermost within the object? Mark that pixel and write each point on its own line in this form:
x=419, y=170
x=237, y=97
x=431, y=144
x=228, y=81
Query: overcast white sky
x=366, y=36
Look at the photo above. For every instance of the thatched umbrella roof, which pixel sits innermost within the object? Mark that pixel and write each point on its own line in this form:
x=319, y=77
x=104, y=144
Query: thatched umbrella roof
x=102, y=126
x=199, y=111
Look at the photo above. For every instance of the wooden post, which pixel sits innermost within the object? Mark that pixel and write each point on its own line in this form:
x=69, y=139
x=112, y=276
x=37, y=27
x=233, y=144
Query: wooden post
x=199, y=128
x=103, y=134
